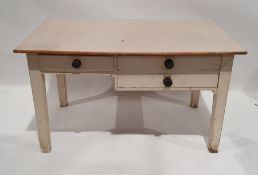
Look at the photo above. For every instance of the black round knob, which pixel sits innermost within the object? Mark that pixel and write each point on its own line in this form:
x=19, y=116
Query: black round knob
x=167, y=81
x=76, y=63
x=169, y=63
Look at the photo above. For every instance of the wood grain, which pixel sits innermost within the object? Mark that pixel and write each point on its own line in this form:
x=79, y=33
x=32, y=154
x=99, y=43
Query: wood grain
x=129, y=37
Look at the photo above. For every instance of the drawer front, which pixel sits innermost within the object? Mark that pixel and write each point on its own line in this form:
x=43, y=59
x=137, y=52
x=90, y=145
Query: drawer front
x=49, y=63
x=153, y=81
x=190, y=64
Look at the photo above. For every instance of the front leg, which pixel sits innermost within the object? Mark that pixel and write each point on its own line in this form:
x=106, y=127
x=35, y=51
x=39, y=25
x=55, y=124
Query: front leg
x=219, y=103
x=38, y=87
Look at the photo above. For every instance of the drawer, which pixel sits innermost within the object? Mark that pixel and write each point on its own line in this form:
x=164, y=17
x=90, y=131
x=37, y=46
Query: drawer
x=156, y=81
x=54, y=63
x=183, y=64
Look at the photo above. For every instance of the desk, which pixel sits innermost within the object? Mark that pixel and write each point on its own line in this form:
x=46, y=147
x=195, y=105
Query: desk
x=141, y=55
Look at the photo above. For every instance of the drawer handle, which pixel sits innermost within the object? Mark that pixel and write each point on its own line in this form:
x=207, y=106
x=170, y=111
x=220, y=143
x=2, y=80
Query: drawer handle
x=76, y=63
x=169, y=63
x=167, y=82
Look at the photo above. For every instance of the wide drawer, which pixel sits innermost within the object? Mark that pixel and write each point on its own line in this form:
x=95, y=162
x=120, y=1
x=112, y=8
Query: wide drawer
x=183, y=64
x=156, y=81
x=56, y=63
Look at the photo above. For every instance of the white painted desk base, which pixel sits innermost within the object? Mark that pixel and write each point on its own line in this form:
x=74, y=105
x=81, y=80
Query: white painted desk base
x=40, y=100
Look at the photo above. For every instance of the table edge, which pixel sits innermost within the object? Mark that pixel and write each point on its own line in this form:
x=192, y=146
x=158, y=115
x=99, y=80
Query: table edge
x=47, y=52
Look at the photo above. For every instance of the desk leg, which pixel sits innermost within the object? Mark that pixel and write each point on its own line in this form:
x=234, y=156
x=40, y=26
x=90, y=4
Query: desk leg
x=37, y=80
x=62, y=89
x=219, y=104
x=194, y=98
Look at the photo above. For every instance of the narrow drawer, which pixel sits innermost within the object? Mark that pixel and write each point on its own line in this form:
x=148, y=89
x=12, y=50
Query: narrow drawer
x=156, y=81
x=182, y=65
x=55, y=63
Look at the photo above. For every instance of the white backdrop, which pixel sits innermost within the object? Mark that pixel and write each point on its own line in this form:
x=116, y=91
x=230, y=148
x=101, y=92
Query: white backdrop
x=181, y=151
x=239, y=18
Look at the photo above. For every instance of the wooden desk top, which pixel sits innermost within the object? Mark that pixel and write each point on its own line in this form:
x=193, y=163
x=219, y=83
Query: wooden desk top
x=128, y=37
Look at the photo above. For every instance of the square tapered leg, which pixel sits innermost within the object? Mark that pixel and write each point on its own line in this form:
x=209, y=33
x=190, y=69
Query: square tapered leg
x=219, y=103
x=62, y=89
x=38, y=87
x=194, y=98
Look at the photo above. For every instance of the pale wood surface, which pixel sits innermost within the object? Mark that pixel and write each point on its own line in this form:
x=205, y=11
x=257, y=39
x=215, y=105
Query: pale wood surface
x=62, y=89
x=37, y=80
x=129, y=37
x=195, y=94
x=219, y=103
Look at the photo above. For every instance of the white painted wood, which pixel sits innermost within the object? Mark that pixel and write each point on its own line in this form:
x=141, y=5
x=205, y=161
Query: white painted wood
x=129, y=37
x=99, y=64
x=134, y=52
x=60, y=63
x=63, y=64
x=195, y=94
x=164, y=89
x=155, y=64
x=156, y=80
x=62, y=89
x=40, y=104
x=219, y=103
